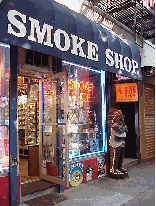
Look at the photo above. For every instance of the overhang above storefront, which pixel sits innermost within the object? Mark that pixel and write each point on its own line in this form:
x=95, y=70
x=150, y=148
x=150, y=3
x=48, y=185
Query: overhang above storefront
x=53, y=29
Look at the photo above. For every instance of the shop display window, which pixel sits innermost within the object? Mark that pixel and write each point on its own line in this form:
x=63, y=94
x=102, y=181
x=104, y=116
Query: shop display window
x=4, y=107
x=86, y=110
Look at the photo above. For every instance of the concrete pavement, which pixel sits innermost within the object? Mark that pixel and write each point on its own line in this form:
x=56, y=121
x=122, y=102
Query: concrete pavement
x=137, y=190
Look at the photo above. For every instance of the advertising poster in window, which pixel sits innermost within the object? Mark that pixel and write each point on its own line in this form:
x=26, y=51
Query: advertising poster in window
x=101, y=166
x=76, y=173
x=89, y=172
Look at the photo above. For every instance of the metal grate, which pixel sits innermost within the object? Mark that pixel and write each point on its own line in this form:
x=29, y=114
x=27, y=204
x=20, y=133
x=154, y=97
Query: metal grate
x=148, y=71
x=127, y=11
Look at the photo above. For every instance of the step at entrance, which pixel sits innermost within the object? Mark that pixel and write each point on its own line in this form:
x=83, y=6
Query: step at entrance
x=34, y=186
x=43, y=197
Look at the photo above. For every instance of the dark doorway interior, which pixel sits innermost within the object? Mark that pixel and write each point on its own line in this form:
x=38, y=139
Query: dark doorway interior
x=128, y=109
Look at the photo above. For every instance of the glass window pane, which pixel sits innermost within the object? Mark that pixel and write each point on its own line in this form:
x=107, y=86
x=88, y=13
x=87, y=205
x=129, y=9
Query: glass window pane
x=29, y=57
x=50, y=137
x=45, y=60
x=37, y=58
x=4, y=107
x=85, y=110
x=54, y=100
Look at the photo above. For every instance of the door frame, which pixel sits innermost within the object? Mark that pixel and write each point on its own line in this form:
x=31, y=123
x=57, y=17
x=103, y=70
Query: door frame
x=13, y=142
x=57, y=180
x=129, y=107
x=137, y=132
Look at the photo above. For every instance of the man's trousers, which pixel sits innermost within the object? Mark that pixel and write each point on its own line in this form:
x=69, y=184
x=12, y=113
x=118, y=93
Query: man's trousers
x=117, y=155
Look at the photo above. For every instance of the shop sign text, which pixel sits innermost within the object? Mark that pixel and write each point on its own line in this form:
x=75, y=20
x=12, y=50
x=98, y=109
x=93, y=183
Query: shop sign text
x=83, y=89
x=126, y=92
x=50, y=37
x=121, y=62
x=35, y=26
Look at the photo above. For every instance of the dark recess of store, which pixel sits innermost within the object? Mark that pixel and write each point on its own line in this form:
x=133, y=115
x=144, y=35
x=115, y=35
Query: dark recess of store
x=36, y=58
x=128, y=109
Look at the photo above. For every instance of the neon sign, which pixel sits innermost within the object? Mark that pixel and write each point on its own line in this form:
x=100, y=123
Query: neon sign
x=83, y=89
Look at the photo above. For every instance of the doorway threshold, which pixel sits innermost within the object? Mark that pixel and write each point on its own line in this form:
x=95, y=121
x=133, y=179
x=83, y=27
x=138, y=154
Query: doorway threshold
x=45, y=197
x=35, y=186
x=25, y=180
x=26, y=197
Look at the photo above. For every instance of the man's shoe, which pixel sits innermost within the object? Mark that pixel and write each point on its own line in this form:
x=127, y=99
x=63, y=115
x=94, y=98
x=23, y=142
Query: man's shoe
x=117, y=174
x=123, y=170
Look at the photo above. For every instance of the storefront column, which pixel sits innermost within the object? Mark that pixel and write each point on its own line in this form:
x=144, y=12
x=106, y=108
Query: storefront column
x=13, y=125
x=137, y=132
x=109, y=104
x=59, y=142
x=60, y=161
x=142, y=121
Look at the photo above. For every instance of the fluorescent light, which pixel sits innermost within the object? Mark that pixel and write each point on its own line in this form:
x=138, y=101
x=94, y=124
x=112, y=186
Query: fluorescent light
x=78, y=65
x=5, y=45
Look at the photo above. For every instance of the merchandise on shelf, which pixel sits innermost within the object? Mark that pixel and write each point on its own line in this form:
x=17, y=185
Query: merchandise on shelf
x=28, y=111
x=22, y=100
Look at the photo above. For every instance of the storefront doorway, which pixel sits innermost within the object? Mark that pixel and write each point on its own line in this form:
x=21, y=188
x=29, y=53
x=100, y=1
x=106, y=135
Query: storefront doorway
x=55, y=107
x=28, y=117
x=53, y=133
x=128, y=109
x=42, y=105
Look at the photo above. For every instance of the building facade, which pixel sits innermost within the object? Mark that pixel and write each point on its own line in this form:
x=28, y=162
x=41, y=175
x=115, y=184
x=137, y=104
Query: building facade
x=133, y=20
x=147, y=102
x=57, y=74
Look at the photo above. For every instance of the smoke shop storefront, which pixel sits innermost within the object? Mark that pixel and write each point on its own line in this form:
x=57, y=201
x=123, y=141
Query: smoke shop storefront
x=54, y=71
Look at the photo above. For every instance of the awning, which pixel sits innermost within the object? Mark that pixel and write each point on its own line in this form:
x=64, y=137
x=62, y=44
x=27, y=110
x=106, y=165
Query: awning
x=53, y=29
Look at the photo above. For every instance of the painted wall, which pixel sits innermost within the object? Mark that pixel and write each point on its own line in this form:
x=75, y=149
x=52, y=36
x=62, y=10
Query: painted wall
x=4, y=190
x=148, y=54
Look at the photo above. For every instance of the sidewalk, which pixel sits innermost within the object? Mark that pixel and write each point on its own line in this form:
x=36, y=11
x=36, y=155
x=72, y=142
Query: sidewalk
x=138, y=189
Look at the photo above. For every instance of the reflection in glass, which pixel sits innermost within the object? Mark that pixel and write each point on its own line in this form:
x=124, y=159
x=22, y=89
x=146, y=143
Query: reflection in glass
x=53, y=97
x=53, y=124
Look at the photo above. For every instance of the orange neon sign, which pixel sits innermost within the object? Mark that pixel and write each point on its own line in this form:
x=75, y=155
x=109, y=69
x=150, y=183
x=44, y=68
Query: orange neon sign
x=84, y=89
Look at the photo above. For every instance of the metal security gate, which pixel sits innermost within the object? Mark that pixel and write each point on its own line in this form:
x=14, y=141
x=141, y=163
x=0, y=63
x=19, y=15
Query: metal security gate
x=149, y=120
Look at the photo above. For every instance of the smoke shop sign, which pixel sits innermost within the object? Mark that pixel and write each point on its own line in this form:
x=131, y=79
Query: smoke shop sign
x=83, y=89
x=118, y=60
x=126, y=92
x=47, y=30
x=50, y=28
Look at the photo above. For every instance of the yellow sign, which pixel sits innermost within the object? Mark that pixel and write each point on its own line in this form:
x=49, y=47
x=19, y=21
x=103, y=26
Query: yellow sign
x=126, y=92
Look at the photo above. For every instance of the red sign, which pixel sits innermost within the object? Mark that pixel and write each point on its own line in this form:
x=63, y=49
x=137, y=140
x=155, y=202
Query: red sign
x=94, y=175
x=126, y=92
